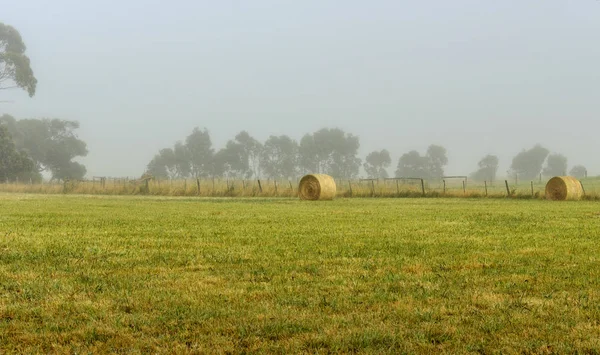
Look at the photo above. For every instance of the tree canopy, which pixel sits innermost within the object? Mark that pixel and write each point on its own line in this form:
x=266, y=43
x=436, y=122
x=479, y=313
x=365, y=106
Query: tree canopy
x=488, y=167
x=376, y=164
x=429, y=166
x=528, y=163
x=14, y=164
x=52, y=144
x=15, y=66
x=556, y=165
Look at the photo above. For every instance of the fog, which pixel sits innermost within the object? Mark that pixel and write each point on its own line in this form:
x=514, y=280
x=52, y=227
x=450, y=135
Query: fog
x=477, y=77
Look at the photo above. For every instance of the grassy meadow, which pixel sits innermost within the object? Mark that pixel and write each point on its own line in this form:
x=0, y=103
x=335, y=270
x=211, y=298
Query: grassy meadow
x=145, y=274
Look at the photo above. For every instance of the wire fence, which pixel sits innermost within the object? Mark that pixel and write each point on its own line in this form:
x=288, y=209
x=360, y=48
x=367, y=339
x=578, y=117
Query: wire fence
x=450, y=186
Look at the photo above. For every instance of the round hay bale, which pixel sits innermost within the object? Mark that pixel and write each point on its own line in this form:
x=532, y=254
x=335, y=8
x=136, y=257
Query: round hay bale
x=562, y=188
x=317, y=187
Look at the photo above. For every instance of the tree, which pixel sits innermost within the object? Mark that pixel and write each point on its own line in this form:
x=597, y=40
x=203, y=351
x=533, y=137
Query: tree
x=330, y=151
x=578, y=171
x=376, y=164
x=556, y=165
x=488, y=167
x=429, y=166
x=14, y=164
x=200, y=152
x=436, y=160
x=279, y=157
x=231, y=161
x=163, y=164
x=15, y=67
x=528, y=164
x=253, y=150
x=412, y=164
x=51, y=143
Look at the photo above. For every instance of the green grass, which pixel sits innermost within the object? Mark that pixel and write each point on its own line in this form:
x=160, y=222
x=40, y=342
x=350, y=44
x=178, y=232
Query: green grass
x=150, y=274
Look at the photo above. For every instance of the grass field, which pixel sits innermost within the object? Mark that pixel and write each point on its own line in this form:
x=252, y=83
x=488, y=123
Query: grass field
x=156, y=274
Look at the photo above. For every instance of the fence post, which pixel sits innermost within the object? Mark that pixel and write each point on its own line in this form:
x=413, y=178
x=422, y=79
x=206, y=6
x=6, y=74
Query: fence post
x=350, y=185
x=259, y=186
x=531, y=188
x=372, y=188
x=275, y=184
x=198, y=185
x=485, y=184
x=507, y=190
x=397, y=187
x=423, y=187
x=291, y=187
x=464, y=188
x=583, y=188
x=444, y=186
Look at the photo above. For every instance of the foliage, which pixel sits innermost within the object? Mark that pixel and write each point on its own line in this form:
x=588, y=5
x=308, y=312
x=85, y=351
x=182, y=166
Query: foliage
x=488, y=167
x=330, y=151
x=528, y=163
x=51, y=143
x=556, y=165
x=578, y=171
x=279, y=157
x=200, y=153
x=14, y=164
x=15, y=66
x=231, y=161
x=430, y=166
x=252, y=149
x=376, y=164
x=283, y=276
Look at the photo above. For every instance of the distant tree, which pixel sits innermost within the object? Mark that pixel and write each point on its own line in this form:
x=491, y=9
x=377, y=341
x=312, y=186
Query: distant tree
x=330, y=151
x=199, y=152
x=231, y=161
x=578, y=171
x=488, y=167
x=308, y=155
x=51, y=143
x=412, y=164
x=253, y=150
x=15, y=67
x=182, y=161
x=376, y=164
x=528, y=164
x=14, y=164
x=556, y=165
x=162, y=165
x=430, y=166
x=436, y=160
x=279, y=157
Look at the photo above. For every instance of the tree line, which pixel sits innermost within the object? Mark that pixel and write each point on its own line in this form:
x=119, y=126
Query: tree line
x=329, y=151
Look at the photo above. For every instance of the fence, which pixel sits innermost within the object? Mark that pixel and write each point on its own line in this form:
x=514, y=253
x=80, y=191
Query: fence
x=452, y=186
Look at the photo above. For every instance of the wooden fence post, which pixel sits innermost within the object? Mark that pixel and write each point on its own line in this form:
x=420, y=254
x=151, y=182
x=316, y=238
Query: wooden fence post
x=464, y=188
x=275, y=184
x=198, y=185
x=444, y=186
x=423, y=187
x=397, y=187
x=507, y=190
x=259, y=186
x=372, y=188
x=531, y=188
x=350, y=185
x=485, y=184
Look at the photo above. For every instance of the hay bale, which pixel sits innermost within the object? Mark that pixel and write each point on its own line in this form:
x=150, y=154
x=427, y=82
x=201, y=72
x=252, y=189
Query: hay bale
x=562, y=188
x=317, y=187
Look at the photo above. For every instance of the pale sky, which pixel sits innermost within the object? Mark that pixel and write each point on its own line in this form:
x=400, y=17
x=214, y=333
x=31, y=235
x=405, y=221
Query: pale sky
x=475, y=76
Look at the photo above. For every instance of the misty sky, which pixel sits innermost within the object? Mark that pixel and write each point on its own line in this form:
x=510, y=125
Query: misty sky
x=476, y=76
